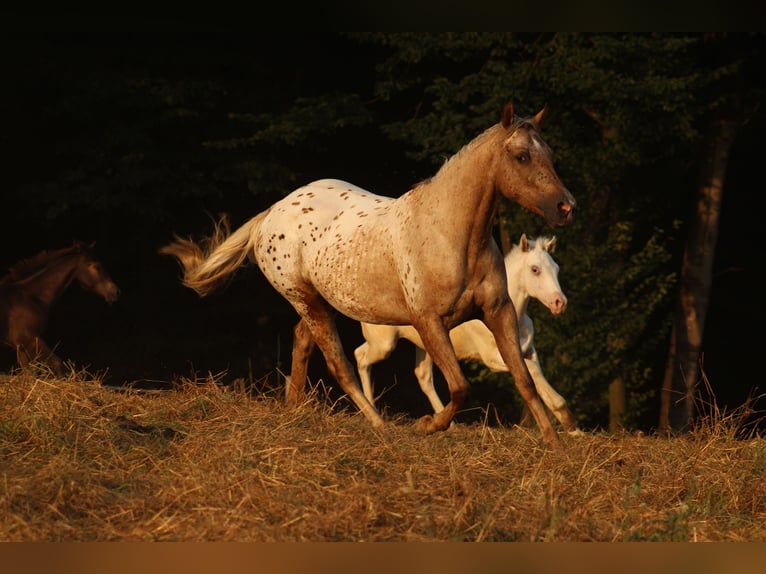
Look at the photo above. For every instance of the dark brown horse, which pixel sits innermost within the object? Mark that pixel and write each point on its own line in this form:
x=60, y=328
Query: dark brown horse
x=33, y=285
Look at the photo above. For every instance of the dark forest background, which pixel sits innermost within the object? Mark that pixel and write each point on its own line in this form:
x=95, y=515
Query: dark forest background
x=128, y=138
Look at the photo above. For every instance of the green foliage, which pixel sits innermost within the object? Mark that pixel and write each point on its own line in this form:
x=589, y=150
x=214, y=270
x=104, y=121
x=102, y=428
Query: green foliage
x=618, y=319
x=308, y=122
x=623, y=110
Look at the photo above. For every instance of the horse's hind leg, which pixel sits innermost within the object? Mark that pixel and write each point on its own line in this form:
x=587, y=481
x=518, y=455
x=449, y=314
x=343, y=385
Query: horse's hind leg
x=321, y=321
x=303, y=346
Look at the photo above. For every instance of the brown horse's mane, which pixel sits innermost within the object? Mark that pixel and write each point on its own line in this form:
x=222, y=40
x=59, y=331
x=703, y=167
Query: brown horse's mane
x=31, y=265
x=518, y=123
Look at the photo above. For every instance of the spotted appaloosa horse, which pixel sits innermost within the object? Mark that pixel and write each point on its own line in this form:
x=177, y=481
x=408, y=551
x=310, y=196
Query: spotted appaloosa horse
x=31, y=287
x=426, y=258
x=532, y=273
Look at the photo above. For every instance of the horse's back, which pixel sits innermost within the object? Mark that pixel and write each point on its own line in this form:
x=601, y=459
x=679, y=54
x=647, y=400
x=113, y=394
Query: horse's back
x=335, y=238
x=336, y=184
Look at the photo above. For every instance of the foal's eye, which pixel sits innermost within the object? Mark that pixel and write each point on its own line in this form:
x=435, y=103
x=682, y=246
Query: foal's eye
x=535, y=270
x=522, y=157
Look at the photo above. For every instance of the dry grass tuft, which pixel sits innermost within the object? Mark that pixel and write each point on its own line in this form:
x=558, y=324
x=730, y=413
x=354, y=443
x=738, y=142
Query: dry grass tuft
x=83, y=462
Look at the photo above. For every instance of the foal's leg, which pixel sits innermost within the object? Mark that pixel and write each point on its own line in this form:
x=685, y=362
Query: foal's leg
x=303, y=346
x=424, y=371
x=320, y=319
x=548, y=394
x=380, y=342
x=504, y=326
x=437, y=343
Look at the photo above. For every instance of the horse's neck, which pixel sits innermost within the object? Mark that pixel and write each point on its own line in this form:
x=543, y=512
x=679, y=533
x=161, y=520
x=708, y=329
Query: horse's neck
x=47, y=284
x=461, y=196
x=519, y=294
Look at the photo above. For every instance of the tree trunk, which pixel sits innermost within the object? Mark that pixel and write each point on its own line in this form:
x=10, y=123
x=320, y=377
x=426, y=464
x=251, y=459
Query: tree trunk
x=617, y=405
x=683, y=370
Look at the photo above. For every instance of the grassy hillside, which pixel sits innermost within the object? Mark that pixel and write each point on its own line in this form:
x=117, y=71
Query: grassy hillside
x=80, y=461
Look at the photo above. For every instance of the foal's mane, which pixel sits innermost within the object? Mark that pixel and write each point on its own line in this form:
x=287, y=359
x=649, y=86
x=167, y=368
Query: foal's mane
x=28, y=267
x=538, y=240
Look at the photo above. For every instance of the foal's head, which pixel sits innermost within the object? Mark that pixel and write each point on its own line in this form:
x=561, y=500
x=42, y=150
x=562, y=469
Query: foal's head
x=531, y=268
x=527, y=175
x=91, y=274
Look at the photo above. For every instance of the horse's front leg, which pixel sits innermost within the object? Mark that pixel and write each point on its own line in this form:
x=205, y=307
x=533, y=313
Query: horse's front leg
x=35, y=349
x=502, y=321
x=437, y=344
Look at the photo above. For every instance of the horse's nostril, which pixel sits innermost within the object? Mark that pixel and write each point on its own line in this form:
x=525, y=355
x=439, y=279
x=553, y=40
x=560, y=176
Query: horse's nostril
x=566, y=210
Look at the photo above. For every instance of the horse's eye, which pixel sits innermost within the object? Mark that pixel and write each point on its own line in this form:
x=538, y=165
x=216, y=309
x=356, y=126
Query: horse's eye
x=535, y=270
x=522, y=157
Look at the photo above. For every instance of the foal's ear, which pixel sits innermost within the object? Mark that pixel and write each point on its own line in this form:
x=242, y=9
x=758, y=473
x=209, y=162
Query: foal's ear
x=524, y=243
x=540, y=114
x=550, y=245
x=506, y=119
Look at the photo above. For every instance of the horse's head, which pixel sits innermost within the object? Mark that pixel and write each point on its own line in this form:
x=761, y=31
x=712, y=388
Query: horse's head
x=527, y=175
x=92, y=275
x=533, y=272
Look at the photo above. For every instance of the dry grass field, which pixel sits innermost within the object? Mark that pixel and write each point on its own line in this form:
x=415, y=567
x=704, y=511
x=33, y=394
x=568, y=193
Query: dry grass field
x=80, y=461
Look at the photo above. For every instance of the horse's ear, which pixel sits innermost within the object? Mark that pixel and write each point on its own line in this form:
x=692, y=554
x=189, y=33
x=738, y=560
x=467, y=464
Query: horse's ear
x=507, y=117
x=550, y=246
x=540, y=114
x=524, y=243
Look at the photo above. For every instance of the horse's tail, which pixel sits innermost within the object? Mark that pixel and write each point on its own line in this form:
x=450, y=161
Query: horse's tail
x=206, y=268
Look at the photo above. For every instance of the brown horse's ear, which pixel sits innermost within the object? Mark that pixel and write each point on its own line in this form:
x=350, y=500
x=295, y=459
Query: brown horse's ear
x=523, y=243
x=540, y=114
x=507, y=117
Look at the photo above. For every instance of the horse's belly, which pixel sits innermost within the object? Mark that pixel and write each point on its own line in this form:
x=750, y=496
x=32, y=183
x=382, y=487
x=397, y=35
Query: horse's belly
x=360, y=286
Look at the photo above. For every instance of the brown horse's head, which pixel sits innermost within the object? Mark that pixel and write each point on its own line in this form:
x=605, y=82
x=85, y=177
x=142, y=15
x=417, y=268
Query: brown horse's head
x=527, y=175
x=92, y=275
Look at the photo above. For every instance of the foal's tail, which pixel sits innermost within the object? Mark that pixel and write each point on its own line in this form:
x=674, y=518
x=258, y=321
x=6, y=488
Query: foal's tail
x=206, y=268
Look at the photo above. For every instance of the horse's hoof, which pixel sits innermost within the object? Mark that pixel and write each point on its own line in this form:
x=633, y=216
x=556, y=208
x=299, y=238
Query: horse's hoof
x=425, y=424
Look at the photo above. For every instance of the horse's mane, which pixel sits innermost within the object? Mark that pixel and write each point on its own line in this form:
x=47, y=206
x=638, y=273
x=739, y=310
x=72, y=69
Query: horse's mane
x=31, y=265
x=487, y=134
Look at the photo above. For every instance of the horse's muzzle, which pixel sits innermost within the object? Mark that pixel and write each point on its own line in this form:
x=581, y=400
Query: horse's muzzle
x=112, y=293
